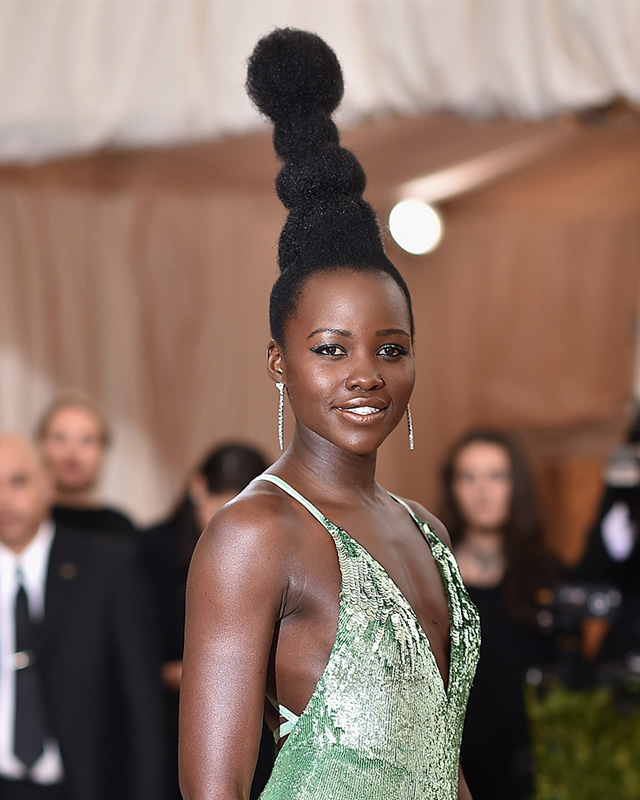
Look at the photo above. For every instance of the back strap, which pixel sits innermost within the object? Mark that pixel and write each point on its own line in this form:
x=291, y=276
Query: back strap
x=286, y=727
x=266, y=476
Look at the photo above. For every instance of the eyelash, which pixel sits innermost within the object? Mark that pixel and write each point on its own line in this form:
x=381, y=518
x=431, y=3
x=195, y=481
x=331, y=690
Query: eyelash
x=321, y=349
x=399, y=350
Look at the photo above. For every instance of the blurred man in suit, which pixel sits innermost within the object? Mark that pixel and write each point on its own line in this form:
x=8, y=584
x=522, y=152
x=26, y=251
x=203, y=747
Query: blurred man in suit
x=74, y=435
x=80, y=698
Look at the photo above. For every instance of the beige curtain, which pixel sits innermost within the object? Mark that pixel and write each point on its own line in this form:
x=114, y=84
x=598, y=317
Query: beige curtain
x=144, y=279
x=152, y=299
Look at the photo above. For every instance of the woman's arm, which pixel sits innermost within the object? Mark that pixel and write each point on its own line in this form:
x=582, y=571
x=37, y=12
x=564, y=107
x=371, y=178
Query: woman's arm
x=463, y=789
x=235, y=596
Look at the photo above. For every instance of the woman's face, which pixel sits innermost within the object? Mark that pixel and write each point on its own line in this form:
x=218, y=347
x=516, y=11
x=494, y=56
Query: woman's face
x=348, y=364
x=482, y=485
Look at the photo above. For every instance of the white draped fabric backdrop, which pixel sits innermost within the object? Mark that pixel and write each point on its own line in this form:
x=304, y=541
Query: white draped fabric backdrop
x=77, y=75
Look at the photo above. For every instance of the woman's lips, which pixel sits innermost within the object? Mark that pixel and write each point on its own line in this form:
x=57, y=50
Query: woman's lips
x=361, y=414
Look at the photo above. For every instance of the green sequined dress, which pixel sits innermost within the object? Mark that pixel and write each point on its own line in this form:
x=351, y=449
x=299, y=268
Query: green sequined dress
x=380, y=724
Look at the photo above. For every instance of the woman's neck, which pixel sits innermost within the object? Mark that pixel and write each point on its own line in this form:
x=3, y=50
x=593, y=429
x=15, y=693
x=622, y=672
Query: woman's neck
x=481, y=557
x=487, y=543
x=313, y=461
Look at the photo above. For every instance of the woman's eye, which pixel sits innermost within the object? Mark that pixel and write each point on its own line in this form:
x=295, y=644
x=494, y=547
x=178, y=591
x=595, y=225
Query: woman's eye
x=500, y=477
x=392, y=351
x=328, y=350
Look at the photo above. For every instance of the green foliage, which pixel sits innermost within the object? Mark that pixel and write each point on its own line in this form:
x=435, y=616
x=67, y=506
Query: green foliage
x=586, y=743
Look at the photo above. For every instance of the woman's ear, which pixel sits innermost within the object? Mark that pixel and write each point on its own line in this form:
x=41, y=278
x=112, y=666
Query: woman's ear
x=275, y=362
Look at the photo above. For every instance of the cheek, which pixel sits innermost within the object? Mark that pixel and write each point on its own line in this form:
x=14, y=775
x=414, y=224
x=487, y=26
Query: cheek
x=52, y=450
x=90, y=454
x=463, y=494
x=503, y=498
x=410, y=380
x=308, y=385
x=27, y=502
x=411, y=370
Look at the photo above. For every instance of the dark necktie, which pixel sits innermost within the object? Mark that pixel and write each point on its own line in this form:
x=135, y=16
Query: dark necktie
x=30, y=722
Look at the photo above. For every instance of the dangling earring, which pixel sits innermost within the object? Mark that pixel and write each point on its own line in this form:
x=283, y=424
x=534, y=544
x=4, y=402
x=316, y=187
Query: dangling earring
x=280, y=388
x=410, y=426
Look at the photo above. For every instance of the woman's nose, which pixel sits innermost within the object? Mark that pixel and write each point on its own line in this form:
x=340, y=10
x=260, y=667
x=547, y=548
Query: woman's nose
x=364, y=375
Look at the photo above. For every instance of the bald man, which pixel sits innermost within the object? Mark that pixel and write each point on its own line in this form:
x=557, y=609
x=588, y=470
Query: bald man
x=80, y=704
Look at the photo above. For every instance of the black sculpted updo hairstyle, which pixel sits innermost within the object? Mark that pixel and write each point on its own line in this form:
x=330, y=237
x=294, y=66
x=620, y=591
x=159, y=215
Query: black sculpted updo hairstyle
x=294, y=78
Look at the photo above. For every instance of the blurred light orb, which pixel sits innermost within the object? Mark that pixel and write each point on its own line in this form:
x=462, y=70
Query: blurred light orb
x=416, y=226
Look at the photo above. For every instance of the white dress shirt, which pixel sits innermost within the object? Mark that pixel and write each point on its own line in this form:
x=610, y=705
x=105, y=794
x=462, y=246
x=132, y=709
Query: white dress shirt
x=618, y=531
x=33, y=563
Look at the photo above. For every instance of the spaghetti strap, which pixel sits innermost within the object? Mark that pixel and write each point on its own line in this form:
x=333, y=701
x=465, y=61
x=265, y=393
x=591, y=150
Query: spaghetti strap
x=286, y=487
x=267, y=476
x=419, y=522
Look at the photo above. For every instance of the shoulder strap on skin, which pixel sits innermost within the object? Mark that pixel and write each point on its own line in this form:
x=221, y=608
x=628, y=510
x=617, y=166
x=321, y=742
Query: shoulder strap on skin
x=406, y=505
x=282, y=484
x=425, y=526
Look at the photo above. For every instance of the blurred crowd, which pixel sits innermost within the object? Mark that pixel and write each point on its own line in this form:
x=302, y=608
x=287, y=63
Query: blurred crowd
x=92, y=608
x=92, y=614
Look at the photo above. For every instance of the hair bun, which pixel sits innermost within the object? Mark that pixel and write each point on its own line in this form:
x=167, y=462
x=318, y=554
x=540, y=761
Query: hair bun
x=337, y=232
x=293, y=71
x=294, y=78
x=315, y=176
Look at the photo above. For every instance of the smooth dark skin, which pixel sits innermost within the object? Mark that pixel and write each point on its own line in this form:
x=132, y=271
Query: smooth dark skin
x=263, y=589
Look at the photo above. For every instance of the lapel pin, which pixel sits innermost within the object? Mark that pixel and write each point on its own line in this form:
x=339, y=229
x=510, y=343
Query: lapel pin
x=68, y=571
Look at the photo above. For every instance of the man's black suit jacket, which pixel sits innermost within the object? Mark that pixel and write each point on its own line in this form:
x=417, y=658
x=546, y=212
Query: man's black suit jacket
x=100, y=670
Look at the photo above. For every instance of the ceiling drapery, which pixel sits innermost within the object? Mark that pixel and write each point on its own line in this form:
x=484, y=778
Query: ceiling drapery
x=78, y=76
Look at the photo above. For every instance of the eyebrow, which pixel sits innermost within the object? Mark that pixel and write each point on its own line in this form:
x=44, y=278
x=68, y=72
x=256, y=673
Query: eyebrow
x=349, y=335
x=393, y=331
x=337, y=331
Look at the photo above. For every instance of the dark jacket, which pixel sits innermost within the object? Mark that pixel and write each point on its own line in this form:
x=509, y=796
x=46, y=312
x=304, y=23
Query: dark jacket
x=100, y=670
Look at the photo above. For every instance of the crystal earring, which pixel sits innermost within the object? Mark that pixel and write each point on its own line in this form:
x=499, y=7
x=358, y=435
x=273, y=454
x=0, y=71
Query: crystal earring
x=280, y=388
x=410, y=426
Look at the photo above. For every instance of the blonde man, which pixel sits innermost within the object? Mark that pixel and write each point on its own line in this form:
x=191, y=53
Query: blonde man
x=74, y=435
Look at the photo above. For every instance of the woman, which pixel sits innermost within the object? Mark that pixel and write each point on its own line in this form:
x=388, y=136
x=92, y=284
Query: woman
x=167, y=549
x=365, y=668
x=168, y=546
x=491, y=513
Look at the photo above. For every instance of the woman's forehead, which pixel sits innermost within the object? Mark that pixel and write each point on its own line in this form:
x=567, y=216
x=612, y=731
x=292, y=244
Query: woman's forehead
x=353, y=296
x=482, y=453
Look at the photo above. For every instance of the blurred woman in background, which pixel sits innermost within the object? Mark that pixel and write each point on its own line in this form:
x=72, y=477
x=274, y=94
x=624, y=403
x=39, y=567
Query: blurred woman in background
x=492, y=515
x=222, y=474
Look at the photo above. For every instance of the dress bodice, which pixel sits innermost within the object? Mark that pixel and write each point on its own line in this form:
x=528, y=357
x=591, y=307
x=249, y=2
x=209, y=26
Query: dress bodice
x=380, y=724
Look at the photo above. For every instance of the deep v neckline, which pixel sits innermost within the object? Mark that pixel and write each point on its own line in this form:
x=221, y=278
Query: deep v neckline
x=446, y=687
x=427, y=532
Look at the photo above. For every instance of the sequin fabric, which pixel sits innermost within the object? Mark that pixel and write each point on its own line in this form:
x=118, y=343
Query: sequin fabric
x=380, y=724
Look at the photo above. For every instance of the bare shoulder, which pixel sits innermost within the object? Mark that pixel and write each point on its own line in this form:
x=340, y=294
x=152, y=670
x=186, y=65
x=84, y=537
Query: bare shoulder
x=249, y=525
x=426, y=516
x=248, y=540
